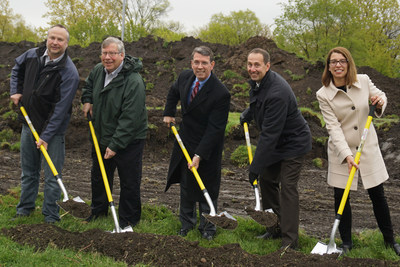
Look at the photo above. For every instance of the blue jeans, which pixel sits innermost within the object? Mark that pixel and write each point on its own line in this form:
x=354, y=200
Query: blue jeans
x=31, y=164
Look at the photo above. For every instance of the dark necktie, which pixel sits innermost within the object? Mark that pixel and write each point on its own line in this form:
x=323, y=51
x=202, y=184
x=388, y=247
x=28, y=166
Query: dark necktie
x=195, y=91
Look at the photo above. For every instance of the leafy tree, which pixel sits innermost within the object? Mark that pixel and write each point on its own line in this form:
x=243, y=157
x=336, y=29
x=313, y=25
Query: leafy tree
x=12, y=27
x=234, y=29
x=92, y=20
x=368, y=28
x=87, y=20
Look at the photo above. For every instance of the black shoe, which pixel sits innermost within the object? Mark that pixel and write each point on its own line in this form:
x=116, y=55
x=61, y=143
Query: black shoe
x=395, y=246
x=19, y=215
x=271, y=234
x=183, y=232
x=346, y=248
x=208, y=235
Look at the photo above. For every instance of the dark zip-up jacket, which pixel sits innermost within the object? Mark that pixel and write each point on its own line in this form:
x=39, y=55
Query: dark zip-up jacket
x=119, y=109
x=47, y=91
x=284, y=133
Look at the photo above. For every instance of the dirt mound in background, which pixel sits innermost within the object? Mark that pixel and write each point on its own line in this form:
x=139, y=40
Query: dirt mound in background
x=162, y=63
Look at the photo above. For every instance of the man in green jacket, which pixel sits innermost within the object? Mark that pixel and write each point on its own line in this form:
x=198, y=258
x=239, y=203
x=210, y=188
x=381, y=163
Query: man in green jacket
x=114, y=95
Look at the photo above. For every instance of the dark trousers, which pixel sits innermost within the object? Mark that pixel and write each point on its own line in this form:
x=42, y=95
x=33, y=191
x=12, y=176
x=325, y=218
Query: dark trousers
x=279, y=191
x=381, y=212
x=187, y=208
x=129, y=164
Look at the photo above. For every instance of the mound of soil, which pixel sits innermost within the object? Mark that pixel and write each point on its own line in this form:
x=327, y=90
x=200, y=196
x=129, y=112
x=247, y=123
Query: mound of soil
x=160, y=250
x=162, y=63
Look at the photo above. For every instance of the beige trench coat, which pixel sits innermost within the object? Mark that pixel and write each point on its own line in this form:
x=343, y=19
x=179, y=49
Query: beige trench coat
x=345, y=115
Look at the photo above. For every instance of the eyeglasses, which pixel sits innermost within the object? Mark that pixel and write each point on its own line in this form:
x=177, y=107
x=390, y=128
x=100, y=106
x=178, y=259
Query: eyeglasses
x=342, y=62
x=111, y=54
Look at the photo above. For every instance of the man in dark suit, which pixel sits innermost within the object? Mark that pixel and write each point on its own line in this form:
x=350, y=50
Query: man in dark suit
x=205, y=105
x=284, y=140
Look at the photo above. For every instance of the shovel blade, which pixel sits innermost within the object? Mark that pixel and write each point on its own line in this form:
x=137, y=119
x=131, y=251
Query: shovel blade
x=322, y=248
x=127, y=229
x=223, y=220
x=78, y=199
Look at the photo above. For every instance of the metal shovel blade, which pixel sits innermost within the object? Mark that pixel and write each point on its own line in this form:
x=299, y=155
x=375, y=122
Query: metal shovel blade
x=267, y=218
x=76, y=207
x=223, y=220
x=322, y=248
x=127, y=229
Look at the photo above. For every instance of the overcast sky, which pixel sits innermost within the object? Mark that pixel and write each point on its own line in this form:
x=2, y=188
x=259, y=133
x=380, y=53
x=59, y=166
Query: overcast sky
x=192, y=14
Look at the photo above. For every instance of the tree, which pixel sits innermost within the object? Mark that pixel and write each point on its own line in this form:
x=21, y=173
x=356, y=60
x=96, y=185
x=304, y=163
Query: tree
x=234, y=29
x=368, y=28
x=12, y=27
x=87, y=20
x=91, y=20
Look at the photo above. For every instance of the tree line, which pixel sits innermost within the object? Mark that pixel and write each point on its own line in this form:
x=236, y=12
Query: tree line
x=370, y=29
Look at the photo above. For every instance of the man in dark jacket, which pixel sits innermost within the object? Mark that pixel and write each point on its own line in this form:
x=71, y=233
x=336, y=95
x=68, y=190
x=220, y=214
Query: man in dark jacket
x=284, y=140
x=205, y=105
x=114, y=95
x=44, y=80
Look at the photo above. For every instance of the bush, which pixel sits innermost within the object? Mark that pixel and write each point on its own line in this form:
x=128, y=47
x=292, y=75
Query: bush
x=318, y=163
x=240, y=156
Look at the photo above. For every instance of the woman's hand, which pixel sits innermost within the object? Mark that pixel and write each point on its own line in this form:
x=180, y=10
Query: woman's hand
x=351, y=163
x=378, y=101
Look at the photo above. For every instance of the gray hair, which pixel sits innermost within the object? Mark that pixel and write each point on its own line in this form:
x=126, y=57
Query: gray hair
x=114, y=40
x=263, y=52
x=204, y=51
x=59, y=26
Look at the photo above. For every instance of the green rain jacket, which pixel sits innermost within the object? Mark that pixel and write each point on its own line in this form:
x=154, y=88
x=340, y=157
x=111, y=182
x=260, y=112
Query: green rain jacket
x=119, y=110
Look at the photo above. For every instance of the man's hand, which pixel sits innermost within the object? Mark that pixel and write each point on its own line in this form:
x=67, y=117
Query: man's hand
x=167, y=120
x=41, y=142
x=15, y=98
x=109, y=153
x=195, y=162
x=87, y=107
x=252, y=177
x=245, y=116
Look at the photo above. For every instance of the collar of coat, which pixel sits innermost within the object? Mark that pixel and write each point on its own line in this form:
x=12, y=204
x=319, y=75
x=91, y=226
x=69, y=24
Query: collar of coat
x=332, y=90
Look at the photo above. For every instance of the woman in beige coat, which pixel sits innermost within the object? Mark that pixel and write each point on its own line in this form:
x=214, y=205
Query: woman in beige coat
x=344, y=103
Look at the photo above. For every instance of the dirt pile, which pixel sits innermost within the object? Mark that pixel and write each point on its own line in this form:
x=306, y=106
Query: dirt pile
x=162, y=63
x=160, y=250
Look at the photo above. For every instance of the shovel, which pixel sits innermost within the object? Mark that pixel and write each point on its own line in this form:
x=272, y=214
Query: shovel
x=77, y=207
x=105, y=180
x=267, y=218
x=321, y=248
x=224, y=219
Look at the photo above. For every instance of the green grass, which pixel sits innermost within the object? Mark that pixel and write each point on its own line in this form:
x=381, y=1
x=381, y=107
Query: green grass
x=156, y=220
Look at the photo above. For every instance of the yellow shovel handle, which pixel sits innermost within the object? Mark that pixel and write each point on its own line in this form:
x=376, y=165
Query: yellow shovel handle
x=42, y=148
x=100, y=159
x=193, y=169
x=248, y=144
x=356, y=160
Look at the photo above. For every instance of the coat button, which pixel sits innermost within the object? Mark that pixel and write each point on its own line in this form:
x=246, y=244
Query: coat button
x=353, y=107
x=356, y=128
